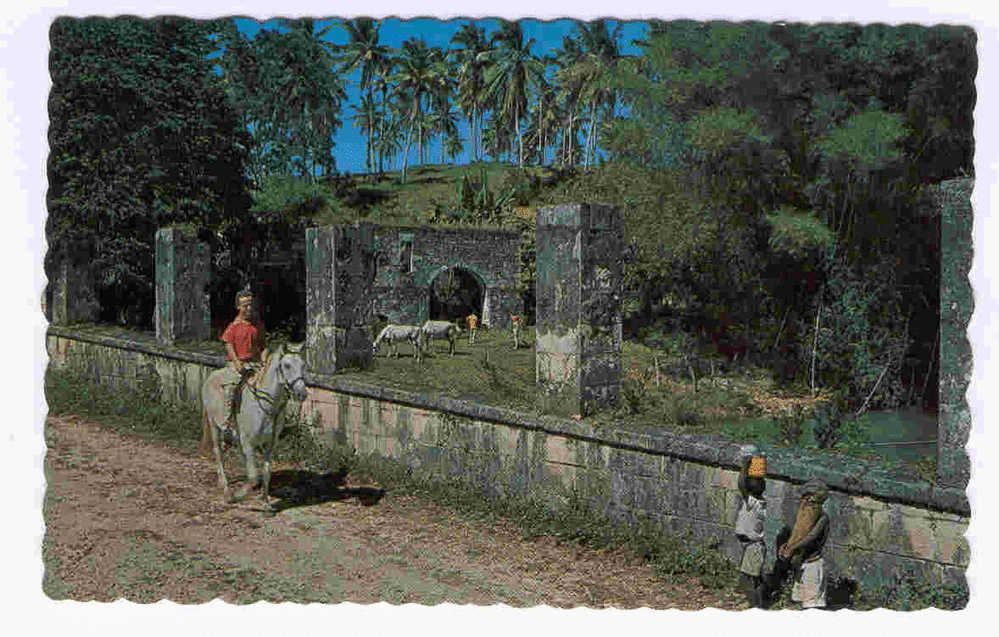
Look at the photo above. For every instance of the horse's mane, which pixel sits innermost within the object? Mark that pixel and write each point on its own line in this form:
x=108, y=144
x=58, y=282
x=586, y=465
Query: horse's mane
x=268, y=357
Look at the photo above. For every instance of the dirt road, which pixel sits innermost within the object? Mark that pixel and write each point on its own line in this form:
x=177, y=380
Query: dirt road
x=131, y=518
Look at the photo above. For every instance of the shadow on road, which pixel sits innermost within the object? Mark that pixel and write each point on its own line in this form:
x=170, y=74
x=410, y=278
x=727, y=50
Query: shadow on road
x=296, y=488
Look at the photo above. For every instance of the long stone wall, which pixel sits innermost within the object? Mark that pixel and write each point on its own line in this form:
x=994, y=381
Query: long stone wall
x=883, y=529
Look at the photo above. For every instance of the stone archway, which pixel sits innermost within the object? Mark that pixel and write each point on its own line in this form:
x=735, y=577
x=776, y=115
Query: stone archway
x=455, y=292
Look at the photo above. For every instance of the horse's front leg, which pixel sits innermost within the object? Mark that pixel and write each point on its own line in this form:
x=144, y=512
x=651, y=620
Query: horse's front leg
x=265, y=481
x=252, y=475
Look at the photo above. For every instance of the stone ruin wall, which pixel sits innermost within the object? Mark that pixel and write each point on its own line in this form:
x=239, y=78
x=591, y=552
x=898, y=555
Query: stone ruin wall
x=401, y=287
x=578, y=322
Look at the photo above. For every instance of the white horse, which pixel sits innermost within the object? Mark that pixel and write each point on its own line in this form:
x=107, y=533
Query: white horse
x=394, y=334
x=432, y=330
x=258, y=422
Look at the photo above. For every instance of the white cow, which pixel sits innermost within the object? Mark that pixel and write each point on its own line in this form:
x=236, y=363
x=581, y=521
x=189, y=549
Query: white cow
x=433, y=330
x=394, y=334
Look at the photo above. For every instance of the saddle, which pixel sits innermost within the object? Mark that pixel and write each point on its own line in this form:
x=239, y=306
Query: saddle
x=258, y=369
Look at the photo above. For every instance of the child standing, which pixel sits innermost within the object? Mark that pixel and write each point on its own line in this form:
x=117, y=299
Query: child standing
x=516, y=322
x=750, y=525
x=473, y=324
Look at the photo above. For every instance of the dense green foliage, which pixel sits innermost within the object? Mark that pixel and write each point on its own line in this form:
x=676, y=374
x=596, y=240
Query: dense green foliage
x=773, y=176
x=141, y=136
x=285, y=88
x=802, y=153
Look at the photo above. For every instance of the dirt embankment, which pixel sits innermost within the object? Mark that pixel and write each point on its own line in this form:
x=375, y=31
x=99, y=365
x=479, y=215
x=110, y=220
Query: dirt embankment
x=135, y=519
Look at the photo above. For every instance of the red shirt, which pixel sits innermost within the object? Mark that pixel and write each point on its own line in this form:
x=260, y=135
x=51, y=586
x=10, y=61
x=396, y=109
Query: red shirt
x=247, y=340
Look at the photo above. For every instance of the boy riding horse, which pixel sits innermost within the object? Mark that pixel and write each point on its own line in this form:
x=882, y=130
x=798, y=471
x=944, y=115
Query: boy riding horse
x=244, y=343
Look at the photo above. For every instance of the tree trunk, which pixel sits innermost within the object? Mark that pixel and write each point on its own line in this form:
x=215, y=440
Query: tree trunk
x=520, y=139
x=409, y=141
x=589, y=135
x=541, y=154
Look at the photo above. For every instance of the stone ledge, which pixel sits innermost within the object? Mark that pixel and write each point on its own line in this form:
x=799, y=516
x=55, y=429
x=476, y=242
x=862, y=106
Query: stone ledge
x=839, y=472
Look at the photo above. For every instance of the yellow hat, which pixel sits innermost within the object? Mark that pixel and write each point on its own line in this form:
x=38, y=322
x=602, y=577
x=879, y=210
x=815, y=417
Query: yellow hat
x=757, y=467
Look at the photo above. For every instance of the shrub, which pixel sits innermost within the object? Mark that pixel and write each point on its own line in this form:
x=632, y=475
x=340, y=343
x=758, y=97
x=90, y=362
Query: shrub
x=791, y=424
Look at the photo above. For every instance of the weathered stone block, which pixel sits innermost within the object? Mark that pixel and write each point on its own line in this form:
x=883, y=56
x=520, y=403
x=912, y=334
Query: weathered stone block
x=183, y=270
x=74, y=292
x=340, y=270
x=579, y=273
x=950, y=544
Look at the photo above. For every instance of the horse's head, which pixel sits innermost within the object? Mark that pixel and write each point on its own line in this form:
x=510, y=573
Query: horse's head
x=291, y=367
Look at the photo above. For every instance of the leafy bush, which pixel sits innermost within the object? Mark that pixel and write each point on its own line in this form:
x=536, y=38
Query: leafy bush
x=292, y=194
x=862, y=336
x=828, y=427
x=791, y=424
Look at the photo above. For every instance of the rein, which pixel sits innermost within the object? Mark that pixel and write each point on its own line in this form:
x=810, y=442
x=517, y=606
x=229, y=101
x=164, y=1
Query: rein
x=262, y=397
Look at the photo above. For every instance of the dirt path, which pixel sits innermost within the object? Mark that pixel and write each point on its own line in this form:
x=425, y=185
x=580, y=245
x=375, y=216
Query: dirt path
x=136, y=519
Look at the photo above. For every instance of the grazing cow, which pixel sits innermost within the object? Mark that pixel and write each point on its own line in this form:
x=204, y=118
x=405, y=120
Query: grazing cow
x=433, y=330
x=394, y=334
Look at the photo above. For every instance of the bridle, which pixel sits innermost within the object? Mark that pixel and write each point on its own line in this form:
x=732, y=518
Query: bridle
x=284, y=379
x=259, y=394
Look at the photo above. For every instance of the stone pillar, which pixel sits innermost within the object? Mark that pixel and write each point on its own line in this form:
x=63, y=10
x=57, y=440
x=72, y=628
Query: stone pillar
x=953, y=200
x=183, y=270
x=578, y=318
x=339, y=270
x=74, y=293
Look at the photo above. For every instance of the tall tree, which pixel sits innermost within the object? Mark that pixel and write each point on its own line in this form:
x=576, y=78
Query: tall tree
x=141, y=135
x=597, y=68
x=515, y=70
x=364, y=52
x=312, y=92
x=472, y=61
x=287, y=88
x=418, y=71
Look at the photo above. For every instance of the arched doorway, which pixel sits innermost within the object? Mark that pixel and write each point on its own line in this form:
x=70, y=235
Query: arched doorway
x=455, y=293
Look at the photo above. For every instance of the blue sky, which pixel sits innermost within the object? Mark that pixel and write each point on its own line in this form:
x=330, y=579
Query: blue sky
x=350, y=144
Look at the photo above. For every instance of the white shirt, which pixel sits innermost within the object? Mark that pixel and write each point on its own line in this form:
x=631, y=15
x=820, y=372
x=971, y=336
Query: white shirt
x=752, y=518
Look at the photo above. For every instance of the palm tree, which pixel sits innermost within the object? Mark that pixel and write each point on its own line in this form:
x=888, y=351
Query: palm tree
x=310, y=94
x=363, y=52
x=472, y=61
x=381, y=84
x=570, y=90
x=544, y=120
x=417, y=74
x=598, y=67
x=513, y=72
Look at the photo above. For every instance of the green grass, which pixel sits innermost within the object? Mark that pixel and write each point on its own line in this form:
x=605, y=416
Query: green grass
x=491, y=371
x=427, y=188
x=575, y=522
x=126, y=411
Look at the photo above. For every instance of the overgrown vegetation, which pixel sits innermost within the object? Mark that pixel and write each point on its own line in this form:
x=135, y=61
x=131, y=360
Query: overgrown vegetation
x=575, y=521
x=124, y=410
